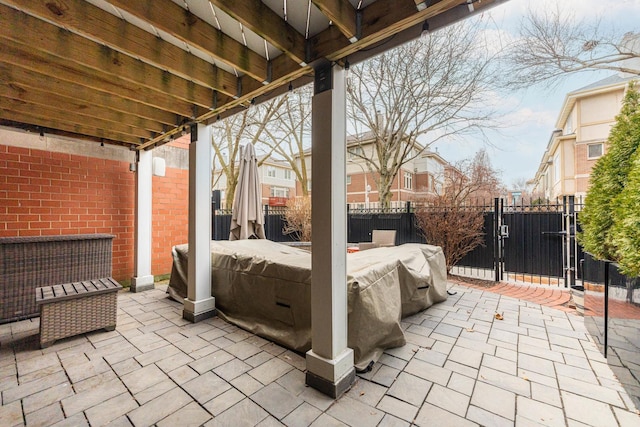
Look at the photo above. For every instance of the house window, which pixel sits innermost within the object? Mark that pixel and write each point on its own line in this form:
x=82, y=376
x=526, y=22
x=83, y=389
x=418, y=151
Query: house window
x=271, y=171
x=355, y=152
x=287, y=174
x=556, y=168
x=594, y=151
x=408, y=181
x=348, y=179
x=279, y=192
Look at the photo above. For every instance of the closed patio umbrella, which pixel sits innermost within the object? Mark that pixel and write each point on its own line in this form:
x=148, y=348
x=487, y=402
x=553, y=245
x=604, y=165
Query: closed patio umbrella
x=247, y=219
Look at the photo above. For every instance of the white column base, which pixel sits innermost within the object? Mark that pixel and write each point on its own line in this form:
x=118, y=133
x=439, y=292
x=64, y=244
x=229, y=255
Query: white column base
x=331, y=376
x=195, y=311
x=142, y=283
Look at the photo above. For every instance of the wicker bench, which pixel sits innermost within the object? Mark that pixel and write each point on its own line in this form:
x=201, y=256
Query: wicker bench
x=29, y=262
x=76, y=308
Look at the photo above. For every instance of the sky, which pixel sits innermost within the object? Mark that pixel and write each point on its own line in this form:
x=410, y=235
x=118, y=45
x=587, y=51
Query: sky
x=530, y=116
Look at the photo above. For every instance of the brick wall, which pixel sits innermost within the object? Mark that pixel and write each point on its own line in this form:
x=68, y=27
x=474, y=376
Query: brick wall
x=53, y=193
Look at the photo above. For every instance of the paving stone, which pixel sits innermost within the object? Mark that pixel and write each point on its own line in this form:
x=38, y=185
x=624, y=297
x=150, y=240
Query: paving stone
x=182, y=374
x=243, y=350
x=224, y=401
x=143, y=378
x=505, y=381
x=173, y=362
x=461, y=383
x=385, y=375
x=77, y=420
x=418, y=340
x=211, y=361
x=442, y=347
x=393, y=362
x=303, y=416
x=259, y=358
x=111, y=409
x=37, y=363
x=157, y=354
x=154, y=391
x=187, y=416
x=448, y=330
x=581, y=388
x=449, y=400
x=410, y=389
x=626, y=418
x=461, y=369
x=325, y=420
x=406, y=352
x=205, y=387
x=41, y=373
x=504, y=336
x=246, y=384
x=159, y=408
x=352, y=412
x=420, y=330
x=270, y=371
x=591, y=412
x=486, y=418
x=432, y=416
x=500, y=364
x=276, y=400
x=367, y=392
x=46, y=397
x=293, y=359
x=317, y=399
x=536, y=364
x=390, y=421
x=546, y=394
x=429, y=372
x=398, y=408
x=45, y=416
x=126, y=366
x=11, y=414
x=466, y=357
x=92, y=396
x=431, y=356
x=232, y=369
x=476, y=346
x=581, y=374
x=540, y=413
x=293, y=381
x=245, y=413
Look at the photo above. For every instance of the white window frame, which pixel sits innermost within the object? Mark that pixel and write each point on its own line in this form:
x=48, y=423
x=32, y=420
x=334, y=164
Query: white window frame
x=271, y=172
x=348, y=179
x=287, y=174
x=408, y=181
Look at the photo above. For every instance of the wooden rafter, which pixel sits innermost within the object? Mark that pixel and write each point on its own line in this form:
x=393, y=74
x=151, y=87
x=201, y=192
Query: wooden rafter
x=342, y=14
x=168, y=16
x=254, y=15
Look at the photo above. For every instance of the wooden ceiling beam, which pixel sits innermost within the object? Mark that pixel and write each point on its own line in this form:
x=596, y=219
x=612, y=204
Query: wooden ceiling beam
x=72, y=106
x=31, y=59
x=343, y=16
x=256, y=16
x=48, y=84
x=82, y=17
x=63, y=125
x=54, y=113
x=380, y=21
x=170, y=17
x=71, y=47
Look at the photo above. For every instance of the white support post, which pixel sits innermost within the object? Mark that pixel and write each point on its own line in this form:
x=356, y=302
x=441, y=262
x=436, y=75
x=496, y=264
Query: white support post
x=330, y=363
x=143, y=279
x=199, y=304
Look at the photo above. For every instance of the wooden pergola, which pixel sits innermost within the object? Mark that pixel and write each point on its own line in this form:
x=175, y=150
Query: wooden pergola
x=137, y=73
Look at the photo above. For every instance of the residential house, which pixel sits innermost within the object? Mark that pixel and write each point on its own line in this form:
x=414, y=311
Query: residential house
x=580, y=138
x=420, y=177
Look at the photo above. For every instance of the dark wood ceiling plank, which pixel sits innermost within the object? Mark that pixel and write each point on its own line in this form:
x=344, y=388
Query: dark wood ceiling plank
x=31, y=59
x=24, y=78
x=74, y=48
x=82, y=17
x=73, y=106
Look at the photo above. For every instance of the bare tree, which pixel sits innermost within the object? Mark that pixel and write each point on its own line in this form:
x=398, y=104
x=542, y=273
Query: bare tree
x=298, y=218
x=454, y=219
x=554, y=43
x=287, y=134
x=229, y=134
x=435, y=88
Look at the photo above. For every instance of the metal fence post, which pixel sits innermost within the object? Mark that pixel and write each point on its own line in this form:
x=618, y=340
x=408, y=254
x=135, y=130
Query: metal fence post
x=496, y=238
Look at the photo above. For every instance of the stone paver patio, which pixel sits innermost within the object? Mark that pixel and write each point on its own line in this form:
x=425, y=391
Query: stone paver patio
x=461, y=367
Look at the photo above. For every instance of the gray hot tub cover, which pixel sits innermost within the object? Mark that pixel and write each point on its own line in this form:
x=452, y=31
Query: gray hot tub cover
x=265, y=288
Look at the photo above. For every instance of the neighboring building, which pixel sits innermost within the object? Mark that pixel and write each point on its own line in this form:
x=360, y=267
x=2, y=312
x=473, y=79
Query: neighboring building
x=580, y=138
x=418, y=178
x=277, y=178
